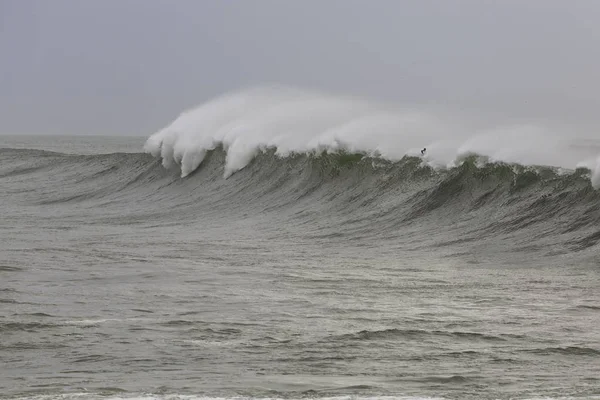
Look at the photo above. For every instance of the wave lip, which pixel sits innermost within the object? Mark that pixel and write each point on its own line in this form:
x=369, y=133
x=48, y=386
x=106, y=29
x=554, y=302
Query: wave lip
x=289, y=121
x=295, y=121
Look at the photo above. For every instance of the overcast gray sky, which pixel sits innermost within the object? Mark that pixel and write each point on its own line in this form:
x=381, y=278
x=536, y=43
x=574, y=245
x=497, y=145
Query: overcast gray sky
x=130, y=66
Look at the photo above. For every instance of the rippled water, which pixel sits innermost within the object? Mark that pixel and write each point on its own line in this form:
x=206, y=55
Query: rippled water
x=293, y=278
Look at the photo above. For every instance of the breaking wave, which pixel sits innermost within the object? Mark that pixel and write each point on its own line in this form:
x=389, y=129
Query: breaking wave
x=325, y=167
x=293, y=121
x=334, y=195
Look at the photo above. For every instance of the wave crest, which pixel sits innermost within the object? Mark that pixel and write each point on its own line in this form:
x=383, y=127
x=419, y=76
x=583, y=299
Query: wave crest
x=295, y=121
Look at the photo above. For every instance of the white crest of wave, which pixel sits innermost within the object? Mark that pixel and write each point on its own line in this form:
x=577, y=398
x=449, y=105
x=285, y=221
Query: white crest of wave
x=296, y=121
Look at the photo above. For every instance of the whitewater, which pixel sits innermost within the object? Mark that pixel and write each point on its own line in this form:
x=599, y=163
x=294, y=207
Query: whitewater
x=277, y=243
x=296, y=121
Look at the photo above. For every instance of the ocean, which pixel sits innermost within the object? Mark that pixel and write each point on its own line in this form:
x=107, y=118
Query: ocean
x=251, y=267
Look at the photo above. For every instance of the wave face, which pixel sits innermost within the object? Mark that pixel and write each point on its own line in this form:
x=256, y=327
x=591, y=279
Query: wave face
x=293, y=121
x=334, y=196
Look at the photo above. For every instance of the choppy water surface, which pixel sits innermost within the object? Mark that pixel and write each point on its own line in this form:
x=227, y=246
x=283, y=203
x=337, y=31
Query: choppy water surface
x=300, y=276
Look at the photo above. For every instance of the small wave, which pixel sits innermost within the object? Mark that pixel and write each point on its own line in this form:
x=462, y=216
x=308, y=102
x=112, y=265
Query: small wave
x=91, y=358
x=24, y=326
x=416, y=334
x=589, y=307
x=38, y=314
x=567, y=351
x=88, y=322
x=8, y=268
x=452, y=379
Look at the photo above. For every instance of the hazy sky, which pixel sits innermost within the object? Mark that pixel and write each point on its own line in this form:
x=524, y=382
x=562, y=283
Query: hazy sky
x=131, y=66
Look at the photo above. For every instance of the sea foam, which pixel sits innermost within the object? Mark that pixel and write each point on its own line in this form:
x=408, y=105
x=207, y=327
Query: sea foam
x=297, y=121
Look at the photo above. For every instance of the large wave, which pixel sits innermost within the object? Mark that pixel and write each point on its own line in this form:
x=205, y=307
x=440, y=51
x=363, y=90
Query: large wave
x=321, y=195
x=296, y=121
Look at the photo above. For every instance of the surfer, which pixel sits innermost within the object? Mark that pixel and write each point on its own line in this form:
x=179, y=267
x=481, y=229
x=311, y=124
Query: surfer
x=423, y=151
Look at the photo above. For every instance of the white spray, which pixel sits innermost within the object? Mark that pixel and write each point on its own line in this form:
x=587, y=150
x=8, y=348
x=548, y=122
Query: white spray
x=291, y=120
